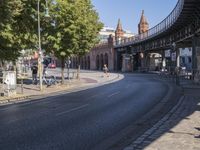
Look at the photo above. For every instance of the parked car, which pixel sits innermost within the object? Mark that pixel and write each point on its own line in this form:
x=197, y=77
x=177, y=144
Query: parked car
x=52, y=65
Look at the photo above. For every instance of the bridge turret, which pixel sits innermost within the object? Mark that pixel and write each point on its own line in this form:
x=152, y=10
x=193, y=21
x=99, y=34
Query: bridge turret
x=119, y=33
x=143, y=25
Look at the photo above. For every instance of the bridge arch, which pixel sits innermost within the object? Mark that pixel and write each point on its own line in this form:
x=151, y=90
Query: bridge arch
x=97, y=62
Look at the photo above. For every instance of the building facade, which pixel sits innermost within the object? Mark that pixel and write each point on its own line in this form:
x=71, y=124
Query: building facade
x=103, y=53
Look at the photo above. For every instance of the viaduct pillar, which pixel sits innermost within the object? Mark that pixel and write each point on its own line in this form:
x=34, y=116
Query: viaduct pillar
x=196, y=53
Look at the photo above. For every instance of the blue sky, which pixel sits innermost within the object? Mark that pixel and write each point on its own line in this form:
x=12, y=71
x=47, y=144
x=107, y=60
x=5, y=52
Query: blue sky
x=129, y=11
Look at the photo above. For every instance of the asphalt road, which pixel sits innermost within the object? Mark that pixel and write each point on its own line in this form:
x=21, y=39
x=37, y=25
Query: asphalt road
x=78, y=120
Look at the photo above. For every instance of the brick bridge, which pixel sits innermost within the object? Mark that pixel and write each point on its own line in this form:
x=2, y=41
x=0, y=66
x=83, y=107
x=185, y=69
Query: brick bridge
x=180, y=29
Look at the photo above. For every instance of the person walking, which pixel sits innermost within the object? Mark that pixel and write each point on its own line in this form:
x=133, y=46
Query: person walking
x=105, y=69
x=34, y=69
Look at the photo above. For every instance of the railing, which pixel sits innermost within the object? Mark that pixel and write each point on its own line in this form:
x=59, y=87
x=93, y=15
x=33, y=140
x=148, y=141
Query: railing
x=181, y=76
x=159, y=28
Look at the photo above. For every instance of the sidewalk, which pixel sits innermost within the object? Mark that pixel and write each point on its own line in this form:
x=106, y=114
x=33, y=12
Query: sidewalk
x=87, y=80
x=179, y=129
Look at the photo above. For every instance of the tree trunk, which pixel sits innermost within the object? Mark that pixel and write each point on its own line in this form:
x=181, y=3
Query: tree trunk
x=1, y=64
x=62, y=71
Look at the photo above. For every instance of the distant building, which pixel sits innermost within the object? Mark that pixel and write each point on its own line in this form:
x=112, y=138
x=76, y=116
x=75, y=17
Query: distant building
x=103, y=53
x=107, y=31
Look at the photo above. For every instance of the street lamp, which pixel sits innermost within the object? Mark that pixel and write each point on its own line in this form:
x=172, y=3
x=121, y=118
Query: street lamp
x=40, y=58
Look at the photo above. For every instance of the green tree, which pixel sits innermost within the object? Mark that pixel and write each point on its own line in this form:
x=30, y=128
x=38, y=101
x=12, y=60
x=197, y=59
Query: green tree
x=10, y=9
x=88, y=27
x=75, y=29
x=18, y=26
x=27, y=24
x=62, y=39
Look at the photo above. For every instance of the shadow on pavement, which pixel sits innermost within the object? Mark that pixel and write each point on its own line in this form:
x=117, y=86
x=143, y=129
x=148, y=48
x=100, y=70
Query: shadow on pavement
x=177, y=122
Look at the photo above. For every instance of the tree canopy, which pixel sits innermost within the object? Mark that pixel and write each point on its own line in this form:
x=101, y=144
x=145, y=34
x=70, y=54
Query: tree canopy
x=71, y=29
x=10, y=9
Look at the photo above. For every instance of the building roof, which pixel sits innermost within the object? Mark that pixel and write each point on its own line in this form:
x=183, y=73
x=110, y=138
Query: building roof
x=143, y=19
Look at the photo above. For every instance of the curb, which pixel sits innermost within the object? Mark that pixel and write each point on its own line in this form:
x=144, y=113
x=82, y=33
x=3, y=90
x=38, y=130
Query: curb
x=156, y=126
x=84, y=86
x=146, y=122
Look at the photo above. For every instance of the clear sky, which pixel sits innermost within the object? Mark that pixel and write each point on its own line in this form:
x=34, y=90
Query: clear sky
x=129, y=11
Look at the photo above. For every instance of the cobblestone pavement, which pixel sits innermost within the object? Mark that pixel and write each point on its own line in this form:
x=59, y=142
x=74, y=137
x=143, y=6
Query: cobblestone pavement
x=87, y=79
x=179, y=129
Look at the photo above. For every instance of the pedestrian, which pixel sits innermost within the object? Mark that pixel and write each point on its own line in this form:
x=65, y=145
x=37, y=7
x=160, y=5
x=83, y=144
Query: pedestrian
x=34, y=69
x=44, y=76
x=105, y=69
x=44, y=71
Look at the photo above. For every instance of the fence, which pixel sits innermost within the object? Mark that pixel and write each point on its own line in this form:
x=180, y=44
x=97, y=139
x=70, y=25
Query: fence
x=179, y=75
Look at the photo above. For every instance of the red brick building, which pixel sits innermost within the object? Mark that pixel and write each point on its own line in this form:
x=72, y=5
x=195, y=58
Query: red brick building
x=101, y=54
x=104, y=53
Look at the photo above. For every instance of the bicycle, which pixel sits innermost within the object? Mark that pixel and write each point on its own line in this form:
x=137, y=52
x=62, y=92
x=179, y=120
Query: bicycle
x=52, y=81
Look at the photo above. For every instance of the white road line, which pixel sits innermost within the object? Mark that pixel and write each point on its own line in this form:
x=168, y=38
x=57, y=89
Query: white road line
x=73, y=109
x=113, y=94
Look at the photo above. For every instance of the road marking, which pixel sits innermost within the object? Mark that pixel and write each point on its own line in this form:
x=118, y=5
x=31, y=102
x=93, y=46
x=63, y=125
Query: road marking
x=73, y=109
x=113, y=94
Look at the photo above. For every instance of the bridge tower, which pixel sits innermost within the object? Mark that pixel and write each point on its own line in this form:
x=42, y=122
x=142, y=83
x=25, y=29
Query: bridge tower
x=143, y=25
x=119, y=33
x=124, y=59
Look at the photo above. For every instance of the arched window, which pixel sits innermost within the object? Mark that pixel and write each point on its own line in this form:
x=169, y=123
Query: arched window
x=106, y=59
x=97, y=62
x=76, y=62
x=84, y=63
x=88, y=62
x=101, y=62
x=81, y=62
x=73, y=62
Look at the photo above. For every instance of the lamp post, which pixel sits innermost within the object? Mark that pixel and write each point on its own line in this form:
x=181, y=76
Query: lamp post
x=22, y=71
x=40, y=58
